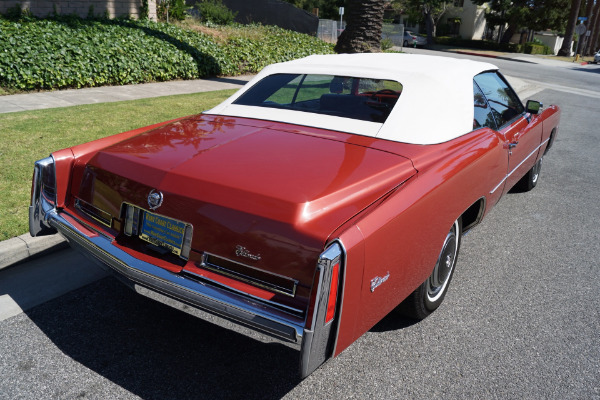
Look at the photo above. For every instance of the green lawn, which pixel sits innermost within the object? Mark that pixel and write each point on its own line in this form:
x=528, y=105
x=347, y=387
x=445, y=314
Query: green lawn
x=30, y=135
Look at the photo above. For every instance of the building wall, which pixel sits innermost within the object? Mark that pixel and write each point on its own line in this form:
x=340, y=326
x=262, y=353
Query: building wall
x=44, y=8
x=553, y=41
x=472, y=20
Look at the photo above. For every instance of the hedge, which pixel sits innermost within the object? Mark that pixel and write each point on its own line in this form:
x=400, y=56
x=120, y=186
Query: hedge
x=533, y=48
x=528, y=48
x=479, y=44
x=69, y=52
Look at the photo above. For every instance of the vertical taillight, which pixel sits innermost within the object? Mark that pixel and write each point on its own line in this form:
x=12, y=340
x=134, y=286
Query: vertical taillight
x=324, y=312
x=333, y=290
x=326, y=286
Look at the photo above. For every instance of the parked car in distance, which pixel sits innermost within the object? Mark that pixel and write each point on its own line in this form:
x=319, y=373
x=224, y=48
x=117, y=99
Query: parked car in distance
x=597, y=57
x=410, y=39
x=310, y=204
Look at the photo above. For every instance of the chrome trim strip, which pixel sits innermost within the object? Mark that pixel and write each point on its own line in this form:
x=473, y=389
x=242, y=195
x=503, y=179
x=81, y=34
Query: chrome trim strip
x=515, y=168
x=294, y=311
x=216, y=300
x=219, y=269
x=106, y=221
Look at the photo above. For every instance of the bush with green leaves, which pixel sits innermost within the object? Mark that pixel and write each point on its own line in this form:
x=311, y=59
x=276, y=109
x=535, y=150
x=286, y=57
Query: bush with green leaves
x=479, y=44
x=215, y=12
x=68, y=52
x=176, y=10
x=536, y=48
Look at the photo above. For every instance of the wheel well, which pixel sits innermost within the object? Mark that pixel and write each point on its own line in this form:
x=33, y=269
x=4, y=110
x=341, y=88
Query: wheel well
x=550, y=140
x=472, y=216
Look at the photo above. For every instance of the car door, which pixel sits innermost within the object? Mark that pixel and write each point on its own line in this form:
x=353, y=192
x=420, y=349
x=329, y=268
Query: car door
x=521, y=133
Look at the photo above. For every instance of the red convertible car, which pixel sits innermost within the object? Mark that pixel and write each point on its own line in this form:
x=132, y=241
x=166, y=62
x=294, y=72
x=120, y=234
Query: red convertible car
x=318, y=198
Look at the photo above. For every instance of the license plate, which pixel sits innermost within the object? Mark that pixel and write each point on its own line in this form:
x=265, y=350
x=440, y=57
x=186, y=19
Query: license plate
x=163, y=231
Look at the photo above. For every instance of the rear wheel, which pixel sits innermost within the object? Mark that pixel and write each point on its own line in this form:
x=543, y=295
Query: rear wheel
x=405, y=44
x=430, y=294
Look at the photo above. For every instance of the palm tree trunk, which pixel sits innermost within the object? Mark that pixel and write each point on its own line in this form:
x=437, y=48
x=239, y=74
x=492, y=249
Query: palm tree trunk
x=566, y=46
x=363, y=29
x=429, y=26
x=588, y=13
x=594, y=25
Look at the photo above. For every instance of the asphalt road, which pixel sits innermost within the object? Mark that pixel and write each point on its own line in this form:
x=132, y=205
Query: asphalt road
x=521, y=319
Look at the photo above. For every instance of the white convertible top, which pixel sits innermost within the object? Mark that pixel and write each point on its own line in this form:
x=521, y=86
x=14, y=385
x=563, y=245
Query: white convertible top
x=436, y=104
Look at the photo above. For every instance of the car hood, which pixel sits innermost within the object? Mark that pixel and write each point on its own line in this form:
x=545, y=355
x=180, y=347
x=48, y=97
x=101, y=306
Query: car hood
x=275, y=189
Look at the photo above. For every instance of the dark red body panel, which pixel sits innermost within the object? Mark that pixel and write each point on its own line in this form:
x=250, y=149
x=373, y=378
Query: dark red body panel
x=403, y=234
x=286, y=191
x=277, y=190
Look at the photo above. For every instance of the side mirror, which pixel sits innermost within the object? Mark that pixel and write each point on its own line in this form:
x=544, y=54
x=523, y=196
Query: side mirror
x=533, y=107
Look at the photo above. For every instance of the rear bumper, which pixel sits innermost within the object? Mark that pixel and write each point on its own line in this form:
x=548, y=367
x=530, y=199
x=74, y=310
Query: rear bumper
x=214, y=299
x=316, y=344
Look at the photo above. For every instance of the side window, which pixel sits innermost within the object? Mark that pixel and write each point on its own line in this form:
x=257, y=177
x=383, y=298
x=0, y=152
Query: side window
x=482, y=116
x=504, y=102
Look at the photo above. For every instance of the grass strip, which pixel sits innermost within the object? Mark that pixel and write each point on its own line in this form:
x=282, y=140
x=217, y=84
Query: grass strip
x=30, y=135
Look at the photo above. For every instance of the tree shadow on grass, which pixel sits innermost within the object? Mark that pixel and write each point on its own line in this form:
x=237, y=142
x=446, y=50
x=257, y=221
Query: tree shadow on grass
x=154, y=351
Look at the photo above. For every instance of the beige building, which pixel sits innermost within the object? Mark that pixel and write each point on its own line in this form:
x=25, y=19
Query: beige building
x=472, y=19
x=82, y=8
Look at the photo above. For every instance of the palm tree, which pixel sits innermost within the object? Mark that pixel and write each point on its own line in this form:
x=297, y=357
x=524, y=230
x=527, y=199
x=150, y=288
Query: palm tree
x=594, y=25
x=565, y=49
x=363, y=29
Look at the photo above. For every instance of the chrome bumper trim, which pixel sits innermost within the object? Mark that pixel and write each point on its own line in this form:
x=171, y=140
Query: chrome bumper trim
x=219, y=301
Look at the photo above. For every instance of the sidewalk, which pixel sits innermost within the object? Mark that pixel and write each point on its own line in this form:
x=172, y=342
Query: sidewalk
x=106, y=94
x=518, y=57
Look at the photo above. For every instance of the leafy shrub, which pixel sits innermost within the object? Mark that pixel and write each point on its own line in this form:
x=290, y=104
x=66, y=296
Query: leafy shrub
x=535, y=48
x=215, y=12
x=479, y=44
x=386, y=44
x=68, y=52
x=176, y=10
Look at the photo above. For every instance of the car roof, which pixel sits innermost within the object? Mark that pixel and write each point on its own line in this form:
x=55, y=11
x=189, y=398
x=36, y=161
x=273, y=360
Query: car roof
x=436, y=104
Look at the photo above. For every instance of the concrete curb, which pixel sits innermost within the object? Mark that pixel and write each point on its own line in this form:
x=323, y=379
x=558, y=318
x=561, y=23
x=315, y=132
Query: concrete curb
x=24, y=247
x=490, y=56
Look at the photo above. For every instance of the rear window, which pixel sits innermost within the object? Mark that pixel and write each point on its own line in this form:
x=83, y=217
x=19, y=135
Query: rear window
x=364, y=99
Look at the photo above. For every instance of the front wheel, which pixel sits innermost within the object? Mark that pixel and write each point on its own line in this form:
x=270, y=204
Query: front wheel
x=531, y=178
x=430, y=294
x=405, y=44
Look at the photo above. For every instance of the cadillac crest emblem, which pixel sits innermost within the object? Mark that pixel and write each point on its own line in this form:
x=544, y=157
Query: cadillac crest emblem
x=155, y=199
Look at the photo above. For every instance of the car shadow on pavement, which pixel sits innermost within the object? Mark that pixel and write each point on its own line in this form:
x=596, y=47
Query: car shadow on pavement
x=154, y=351
x=395, y=320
